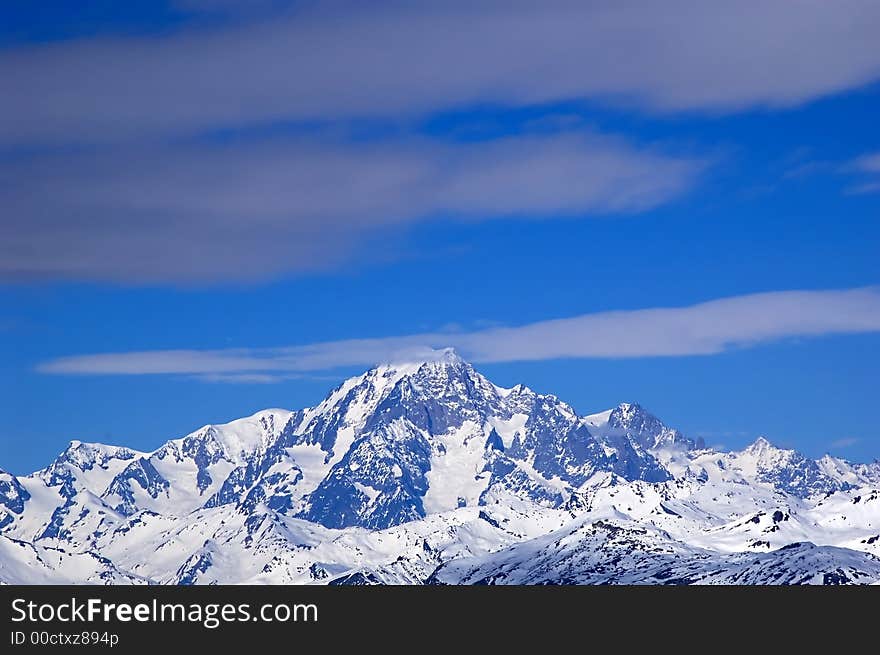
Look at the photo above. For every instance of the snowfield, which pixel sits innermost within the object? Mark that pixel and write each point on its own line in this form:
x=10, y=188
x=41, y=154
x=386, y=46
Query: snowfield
x=427, y=473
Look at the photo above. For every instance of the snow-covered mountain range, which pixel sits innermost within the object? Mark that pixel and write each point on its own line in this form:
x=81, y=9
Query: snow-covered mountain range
x=427, y=472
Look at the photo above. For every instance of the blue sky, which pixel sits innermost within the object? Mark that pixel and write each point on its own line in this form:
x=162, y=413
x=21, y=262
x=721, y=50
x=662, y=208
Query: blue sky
x=197, y=193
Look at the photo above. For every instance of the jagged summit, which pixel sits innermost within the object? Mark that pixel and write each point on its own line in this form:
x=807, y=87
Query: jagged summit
x=415, y=358
x=760, y=447
x=86, y=455
x=788, y=470
x=447, y=356
x=240, y=437
x=632, y=421
x=632, y=417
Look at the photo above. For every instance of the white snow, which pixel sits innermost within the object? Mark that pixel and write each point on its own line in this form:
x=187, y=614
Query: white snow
x=370, y=492
x=508, y=428
x=455, y=473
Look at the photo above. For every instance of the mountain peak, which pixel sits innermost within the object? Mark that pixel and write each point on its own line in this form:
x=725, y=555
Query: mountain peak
x=418, y=357
x=627, y=411
x=449, y=355
x=85, y=454
x=411, y=361
x=243, y=436
x=632, y=416
x=760, y=447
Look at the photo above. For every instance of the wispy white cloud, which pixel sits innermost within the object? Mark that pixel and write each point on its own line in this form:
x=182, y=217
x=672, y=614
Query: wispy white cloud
x=846, y=442
x=868, y=167
x=865, y=187
x=810, y=168
x=869, y=163
x=246, y=378
x=258, y=210
x=341, y=60
x=861, y=174
x=702, y=329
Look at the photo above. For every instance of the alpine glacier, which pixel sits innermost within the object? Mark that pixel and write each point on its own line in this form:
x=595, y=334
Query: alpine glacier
x=427, y=473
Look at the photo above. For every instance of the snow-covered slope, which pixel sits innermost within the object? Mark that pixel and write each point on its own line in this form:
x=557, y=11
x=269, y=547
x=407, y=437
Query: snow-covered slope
x=605, y=552
x=427, y=471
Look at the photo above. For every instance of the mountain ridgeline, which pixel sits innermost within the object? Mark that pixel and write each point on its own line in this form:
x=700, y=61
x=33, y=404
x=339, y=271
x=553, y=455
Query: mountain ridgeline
x=428, y=472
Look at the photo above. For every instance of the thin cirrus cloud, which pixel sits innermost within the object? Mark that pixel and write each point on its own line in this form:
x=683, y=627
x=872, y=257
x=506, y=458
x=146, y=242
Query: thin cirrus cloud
x=219, y=213
x=703, y=329
x=341, y=60
x=845, y=442
x=868, y=168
